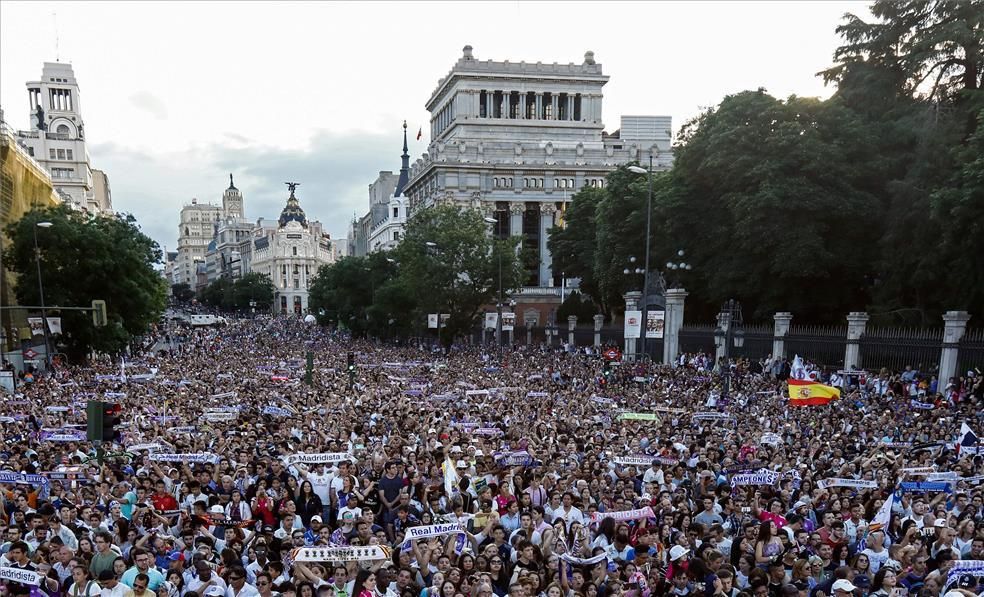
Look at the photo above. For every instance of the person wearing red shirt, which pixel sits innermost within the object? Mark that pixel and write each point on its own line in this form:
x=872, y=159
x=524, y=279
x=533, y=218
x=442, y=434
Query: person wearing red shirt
x=163, y=500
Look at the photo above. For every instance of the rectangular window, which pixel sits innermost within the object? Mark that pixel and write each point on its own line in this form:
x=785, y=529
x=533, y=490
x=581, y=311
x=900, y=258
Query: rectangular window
x=61, y=154
x=396, y=212
x=297, y=283
x=68, y=154
x=51, y=154
x=483, y=102
x=30, y=151
x=396, y=235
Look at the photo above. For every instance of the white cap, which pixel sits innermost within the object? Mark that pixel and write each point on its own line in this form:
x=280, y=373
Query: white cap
x=677, y=552
x=479, y=453
x=214, y=591
x=455, y=449
x=843, y=585
x=461, y=464
x=216, y=509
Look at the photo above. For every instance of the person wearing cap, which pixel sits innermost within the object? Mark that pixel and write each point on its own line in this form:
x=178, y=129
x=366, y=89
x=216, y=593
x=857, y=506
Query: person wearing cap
x=843, y=588
x=110, y=586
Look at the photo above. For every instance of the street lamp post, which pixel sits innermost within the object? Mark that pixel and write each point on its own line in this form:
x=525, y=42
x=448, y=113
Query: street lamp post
x=44, y=314
x=645, y=283
x=432, y=246
x=731, y=333
x=498, y=303
x=679, y=266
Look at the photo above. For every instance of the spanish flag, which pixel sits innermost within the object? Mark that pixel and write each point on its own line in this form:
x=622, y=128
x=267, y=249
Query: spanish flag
x=806, y=392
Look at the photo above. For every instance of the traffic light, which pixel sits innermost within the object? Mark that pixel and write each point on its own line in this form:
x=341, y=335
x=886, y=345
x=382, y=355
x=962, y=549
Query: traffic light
x=606, y=372
x=102, y=418
x=99, y=313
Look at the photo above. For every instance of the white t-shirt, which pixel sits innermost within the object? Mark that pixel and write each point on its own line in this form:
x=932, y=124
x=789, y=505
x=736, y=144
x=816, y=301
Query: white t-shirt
x=320, y=484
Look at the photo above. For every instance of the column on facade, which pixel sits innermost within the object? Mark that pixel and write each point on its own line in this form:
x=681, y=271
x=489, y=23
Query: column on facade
x=632, y=299
x=522, y=106
x=782, y=321
x=570, y=106
x=675, y=298
x=599, y=321
x=571, y=325
x=539, y=106
x=554, y=103
x=547, y=213
x=505, y=104
x=954, y=326
x=856, y=322
x=516, y=209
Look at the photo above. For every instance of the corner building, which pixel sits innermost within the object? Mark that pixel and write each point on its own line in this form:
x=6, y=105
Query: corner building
x=517, y=140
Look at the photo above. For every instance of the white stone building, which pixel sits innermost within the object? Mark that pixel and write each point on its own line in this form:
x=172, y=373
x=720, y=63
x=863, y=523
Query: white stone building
x=228, y=253
x=517, y=140
x=195, y=231
x=57, y=139
x=290, y=255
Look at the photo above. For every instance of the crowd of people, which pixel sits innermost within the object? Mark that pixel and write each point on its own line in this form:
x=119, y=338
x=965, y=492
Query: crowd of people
x=524, y=472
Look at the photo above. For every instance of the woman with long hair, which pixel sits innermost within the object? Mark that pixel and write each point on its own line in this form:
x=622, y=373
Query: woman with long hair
x=308, y=503
x=862, y=566
x=365, y=584
x=767, y=544
x=883, y=584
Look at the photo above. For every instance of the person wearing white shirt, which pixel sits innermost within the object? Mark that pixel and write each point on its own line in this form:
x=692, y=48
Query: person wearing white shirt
x=568, y=512
x=654, y=474
x=238, y=587
x=110, y=586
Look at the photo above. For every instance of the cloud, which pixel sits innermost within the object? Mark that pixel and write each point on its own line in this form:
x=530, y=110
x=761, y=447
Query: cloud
x=148, y=102
x=334, y=170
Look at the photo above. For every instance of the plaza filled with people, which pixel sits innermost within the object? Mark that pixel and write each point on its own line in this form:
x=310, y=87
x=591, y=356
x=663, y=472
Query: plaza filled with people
x=476, y=472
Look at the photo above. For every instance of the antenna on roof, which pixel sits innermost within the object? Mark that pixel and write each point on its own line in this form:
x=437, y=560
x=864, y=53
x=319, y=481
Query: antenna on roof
x=54, y=18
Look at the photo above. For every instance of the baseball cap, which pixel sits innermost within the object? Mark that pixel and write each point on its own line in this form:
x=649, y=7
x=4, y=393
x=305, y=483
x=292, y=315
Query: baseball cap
x=315, y=517
x=479, y=453
x=455, y=449
x=967, y=581
x=214, y=591
x=460, y=464
x=677, y=552
x=843, y=585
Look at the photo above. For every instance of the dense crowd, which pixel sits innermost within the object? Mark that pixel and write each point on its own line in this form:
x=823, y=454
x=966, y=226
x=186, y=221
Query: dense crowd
x=475, y=473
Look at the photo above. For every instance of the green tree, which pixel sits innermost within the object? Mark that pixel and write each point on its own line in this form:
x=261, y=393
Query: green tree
x=218, y=294
x=182, y=292
x=341, y=292
x=572, y=247
x=85, y=258
x=253, y=288
x=450, y=263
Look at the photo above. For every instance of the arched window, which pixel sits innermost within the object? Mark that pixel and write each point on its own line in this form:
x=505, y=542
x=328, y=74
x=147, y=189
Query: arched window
x=570, y=183
x=63, y=129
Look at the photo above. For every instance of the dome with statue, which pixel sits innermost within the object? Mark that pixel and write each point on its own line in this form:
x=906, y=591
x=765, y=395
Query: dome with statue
x=292, y=212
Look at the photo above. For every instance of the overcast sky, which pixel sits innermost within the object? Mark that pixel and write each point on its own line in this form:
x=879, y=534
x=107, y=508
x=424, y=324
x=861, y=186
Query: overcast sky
x=177, y=95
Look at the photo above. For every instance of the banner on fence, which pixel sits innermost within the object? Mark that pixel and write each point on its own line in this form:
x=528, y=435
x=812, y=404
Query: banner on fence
x=655, y=322
x=633, y=324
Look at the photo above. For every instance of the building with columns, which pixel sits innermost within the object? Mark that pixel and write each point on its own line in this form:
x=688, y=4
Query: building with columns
x=57, y=139
x=517, y=140
x=195, y=231
x=290, y=254
x=228, y=253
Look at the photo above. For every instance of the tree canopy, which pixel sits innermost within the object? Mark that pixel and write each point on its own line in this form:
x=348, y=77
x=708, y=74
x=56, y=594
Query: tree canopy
x=251, y=291
x=870, y=200
x=84, y=258
x=446, y=262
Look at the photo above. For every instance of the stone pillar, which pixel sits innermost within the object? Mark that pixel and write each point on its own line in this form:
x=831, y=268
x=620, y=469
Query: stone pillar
x=599, y=321
x=554, y=104
x=512, y=332
x=547, y=211
x=856, y=321
x=539, y=106
x=782, y=321
x=571, y=325
x=724, y=322
x=632, y=299
x=504, y=105
x=570, y=107
x=516, y=209
x=522, y=106
x=529, y=335
x=675, y=298
x=954, y=326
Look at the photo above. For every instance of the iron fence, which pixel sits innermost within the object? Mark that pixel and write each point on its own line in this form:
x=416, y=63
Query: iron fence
x=823, y=345
x=897, y=347
x=971, y=351
x=697, y=337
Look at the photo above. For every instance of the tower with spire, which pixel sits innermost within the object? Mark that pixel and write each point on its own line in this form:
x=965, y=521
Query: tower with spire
x=405, y=166
x=232, y=201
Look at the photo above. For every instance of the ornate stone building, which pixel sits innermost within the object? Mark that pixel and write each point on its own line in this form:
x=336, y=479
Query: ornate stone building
x=517, y=140
x=57, y=139
x=290, y=255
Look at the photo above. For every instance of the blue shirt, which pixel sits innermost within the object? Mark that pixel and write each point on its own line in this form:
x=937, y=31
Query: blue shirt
x=156, y=578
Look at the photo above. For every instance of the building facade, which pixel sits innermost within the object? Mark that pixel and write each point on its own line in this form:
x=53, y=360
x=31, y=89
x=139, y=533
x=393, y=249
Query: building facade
x=290, y=254
x=57, y=139
x=517, y=140
x=382, y=227
x=195, y=231
x=228, y=253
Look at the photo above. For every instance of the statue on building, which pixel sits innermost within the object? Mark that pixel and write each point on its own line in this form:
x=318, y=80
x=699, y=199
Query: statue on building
x=40, y=116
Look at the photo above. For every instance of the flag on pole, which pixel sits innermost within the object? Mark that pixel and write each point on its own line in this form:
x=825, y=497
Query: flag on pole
x=797, y=369
x=805, y=392
x=967, y=443
x=879, y=522
x=450, y=477
x=420, y=133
